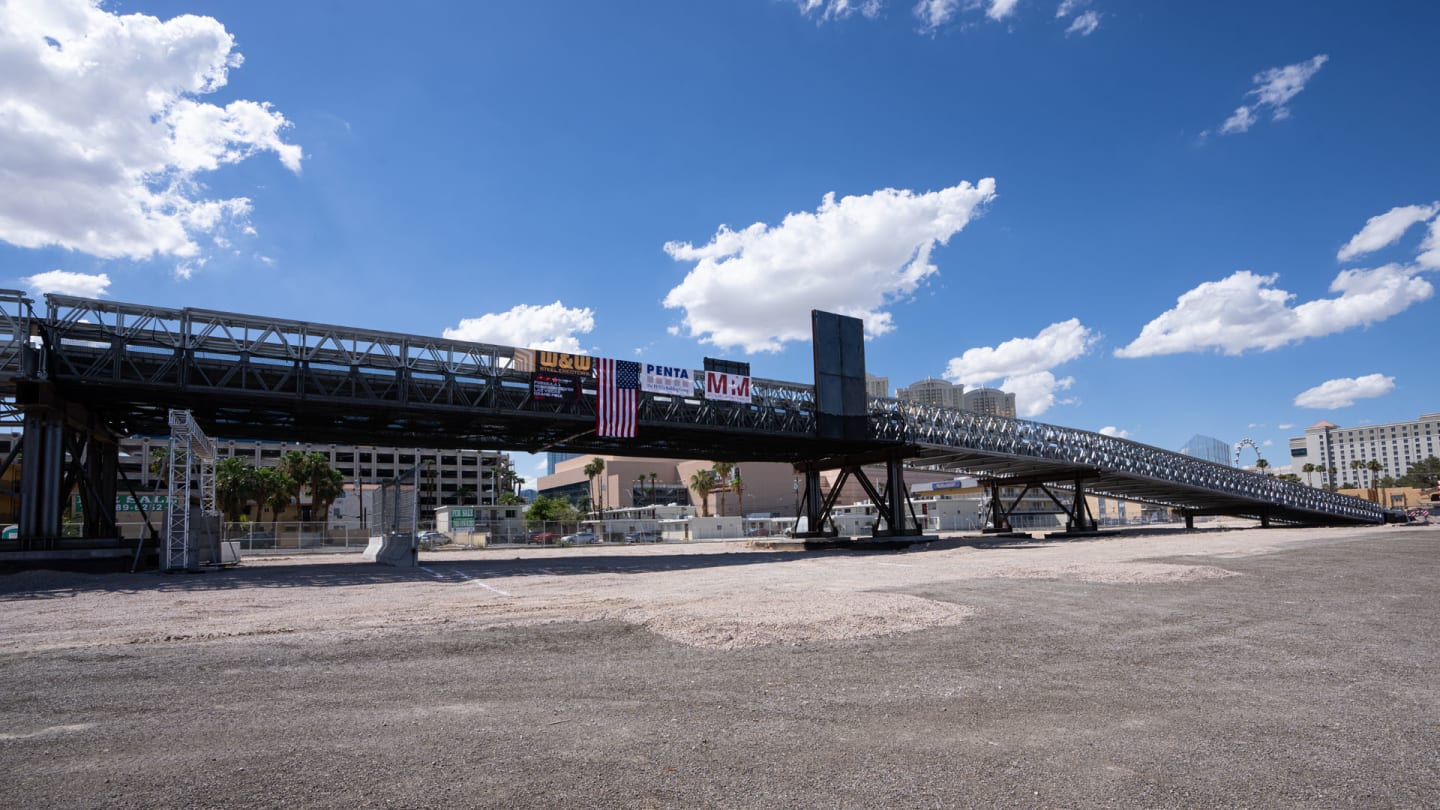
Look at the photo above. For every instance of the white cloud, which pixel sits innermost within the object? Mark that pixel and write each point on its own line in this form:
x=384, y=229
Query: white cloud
x=1084, y=24
x=1429, y=257
x=934, y=13
x=1267, y=443
x=1068, y=7
x=1274, y=88
x=1246, y=311
x=1384, y=229
x=755, y=288
x=552, y=326
x=1343, y=392
x=1055, y=344
x=1000, y=9
x=1035, y=393
x=1111, y=430
x=102, y=139
x=838, y=9
x=1285, y=426
x=67, y=283
x=1025, y=364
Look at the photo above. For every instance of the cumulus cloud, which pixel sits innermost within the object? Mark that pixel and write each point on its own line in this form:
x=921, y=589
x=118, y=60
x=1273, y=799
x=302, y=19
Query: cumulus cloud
x=838, y=9
x=1036, y=393
x=102, y=135
x=934, y=13
x=1000, y=9
x=1246, y=311
x=1111, y=430
x=754, y=288
x=1429, y=257
x=1274, y=88
x=1055, y=344
x=1342, y=392
x=1025, y=365
x=552, y=326
x=1384, y=229
x=1084, y=24
x=67, y=283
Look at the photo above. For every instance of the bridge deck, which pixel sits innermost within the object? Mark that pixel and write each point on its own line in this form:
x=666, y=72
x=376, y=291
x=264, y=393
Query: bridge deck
x=246, y=376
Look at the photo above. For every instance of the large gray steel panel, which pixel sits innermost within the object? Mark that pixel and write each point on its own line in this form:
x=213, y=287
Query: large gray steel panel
x=840, y=400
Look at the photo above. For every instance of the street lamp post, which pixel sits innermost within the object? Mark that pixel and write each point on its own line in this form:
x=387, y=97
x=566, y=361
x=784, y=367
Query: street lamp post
x=795, y=485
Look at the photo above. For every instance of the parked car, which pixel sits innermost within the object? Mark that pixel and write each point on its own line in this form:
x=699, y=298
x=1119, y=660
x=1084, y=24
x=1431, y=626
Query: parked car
x=757, y=532
x=581, y=537
x=540, y=538
x=642, y=536
x=433, y=538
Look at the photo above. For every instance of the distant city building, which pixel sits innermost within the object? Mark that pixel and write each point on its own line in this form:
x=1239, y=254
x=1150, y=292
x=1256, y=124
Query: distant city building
x=931, y=391
x=551, y=459
x=454, y=477
x=1209, y=448
x=989, y=401
x=877, y=386
x=1396, y=446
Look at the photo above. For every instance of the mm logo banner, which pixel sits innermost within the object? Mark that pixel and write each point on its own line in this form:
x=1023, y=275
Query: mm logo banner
x=728, y=387
x=677, y=382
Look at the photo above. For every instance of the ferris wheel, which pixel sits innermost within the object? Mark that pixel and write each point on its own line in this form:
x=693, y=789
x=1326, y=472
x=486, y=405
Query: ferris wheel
x=1241, y=445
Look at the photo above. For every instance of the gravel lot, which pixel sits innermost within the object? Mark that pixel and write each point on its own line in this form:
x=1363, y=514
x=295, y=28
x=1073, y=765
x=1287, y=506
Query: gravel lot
x=1260, y=668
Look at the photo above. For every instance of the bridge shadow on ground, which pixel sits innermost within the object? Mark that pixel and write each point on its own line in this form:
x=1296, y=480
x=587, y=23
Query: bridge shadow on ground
x=50, y=584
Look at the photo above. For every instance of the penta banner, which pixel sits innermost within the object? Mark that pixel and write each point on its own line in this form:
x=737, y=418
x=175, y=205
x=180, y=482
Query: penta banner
x=670, y=380
x=562, y=387
x=728, y=387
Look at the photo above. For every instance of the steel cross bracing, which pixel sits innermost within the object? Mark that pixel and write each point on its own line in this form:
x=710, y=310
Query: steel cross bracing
x=995, y=446
x=248, y=376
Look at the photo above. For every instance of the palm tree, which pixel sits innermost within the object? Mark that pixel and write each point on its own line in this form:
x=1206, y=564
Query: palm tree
x=639, y=489
x=1308, y=469
x=722, y=478
x=1357, y=465
x=273, y=490
x=739, y=487
x=592, y=471
x=1334, y=471
x=704, y=482
x=1374, y=467
x=236, y=484
x=1262, y=465
x=653, y=476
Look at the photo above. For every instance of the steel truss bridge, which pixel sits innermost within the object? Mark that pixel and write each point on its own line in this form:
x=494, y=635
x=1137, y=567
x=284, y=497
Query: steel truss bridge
x=83, y=372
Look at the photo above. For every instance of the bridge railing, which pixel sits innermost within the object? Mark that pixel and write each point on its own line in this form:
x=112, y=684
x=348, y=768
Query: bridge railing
x=997, y=435
x=166, y=348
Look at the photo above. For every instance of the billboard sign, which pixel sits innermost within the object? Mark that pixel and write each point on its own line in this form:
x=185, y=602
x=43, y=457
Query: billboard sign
x=727, y=387
x=670, y=380
x=559, y=387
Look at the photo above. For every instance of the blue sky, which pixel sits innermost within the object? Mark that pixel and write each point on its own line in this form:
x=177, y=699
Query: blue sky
x=1157, y=219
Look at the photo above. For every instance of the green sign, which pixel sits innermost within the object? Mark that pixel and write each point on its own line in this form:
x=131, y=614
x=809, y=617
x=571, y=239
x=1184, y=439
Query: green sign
x=462, y=517
x=127, y=503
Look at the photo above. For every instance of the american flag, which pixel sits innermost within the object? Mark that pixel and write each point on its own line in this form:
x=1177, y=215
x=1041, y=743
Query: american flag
x=617, y=399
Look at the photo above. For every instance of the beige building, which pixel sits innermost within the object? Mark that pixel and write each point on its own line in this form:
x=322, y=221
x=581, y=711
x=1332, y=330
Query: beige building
x=877, y=386
x=1396, y=446
x=768, y=488
x=931, y=391
x=989, y=401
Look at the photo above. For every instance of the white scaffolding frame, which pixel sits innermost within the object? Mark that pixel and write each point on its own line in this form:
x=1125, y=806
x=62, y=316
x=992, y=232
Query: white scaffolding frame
x=192, y=457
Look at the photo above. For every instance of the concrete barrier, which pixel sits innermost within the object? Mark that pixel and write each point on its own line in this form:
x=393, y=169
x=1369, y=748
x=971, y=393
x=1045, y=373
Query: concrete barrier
x=399, y=550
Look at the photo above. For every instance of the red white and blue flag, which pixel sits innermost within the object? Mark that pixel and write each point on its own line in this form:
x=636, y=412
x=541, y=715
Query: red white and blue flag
x=618, y=399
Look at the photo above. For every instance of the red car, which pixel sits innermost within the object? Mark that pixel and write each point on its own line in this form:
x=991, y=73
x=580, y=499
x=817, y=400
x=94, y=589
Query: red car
x=540, y=538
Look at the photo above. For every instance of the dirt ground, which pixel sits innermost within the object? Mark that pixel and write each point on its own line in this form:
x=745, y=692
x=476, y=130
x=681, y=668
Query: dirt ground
x=1260, y=668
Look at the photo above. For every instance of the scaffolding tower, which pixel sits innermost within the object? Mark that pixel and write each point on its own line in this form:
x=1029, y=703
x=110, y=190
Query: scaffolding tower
x=192, y=458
